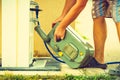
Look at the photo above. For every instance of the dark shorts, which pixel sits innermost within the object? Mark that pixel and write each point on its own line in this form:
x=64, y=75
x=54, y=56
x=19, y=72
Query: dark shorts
x=107, y=8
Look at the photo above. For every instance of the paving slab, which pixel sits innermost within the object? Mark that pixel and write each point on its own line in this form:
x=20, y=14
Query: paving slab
x=65, y=69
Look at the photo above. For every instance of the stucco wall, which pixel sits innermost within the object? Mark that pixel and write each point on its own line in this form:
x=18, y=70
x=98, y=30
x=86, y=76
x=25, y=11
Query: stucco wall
x=51, y=10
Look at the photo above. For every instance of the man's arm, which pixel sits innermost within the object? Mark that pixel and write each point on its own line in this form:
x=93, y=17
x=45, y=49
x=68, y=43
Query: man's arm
x=73, y=13
x=68, y=5
x=70, y=16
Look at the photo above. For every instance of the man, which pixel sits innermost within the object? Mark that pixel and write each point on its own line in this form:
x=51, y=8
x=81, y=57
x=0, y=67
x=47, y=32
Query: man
x=100, y=10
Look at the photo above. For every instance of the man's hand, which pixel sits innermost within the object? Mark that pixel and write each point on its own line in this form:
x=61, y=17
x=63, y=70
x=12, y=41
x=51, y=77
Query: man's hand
x=59, y=34
x=59, y=19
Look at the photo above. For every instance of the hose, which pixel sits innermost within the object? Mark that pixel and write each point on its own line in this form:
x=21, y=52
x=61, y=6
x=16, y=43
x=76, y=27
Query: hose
x=56, y=58
x=112, y=63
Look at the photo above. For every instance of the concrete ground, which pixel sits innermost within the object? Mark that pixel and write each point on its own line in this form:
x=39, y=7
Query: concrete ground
x=65, y=69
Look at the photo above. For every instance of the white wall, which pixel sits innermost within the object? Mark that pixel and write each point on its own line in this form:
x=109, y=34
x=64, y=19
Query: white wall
x=8, y=33
x=15, y=33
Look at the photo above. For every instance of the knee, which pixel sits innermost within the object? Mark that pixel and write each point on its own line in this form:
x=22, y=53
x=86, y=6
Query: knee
x=99, y=19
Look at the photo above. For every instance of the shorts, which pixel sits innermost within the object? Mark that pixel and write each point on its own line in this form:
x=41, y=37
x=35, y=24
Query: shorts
x=107, y=8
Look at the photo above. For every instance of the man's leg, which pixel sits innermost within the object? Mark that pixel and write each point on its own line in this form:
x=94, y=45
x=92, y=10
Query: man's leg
x=116, y=71
x=118, y=29
x=99, y=33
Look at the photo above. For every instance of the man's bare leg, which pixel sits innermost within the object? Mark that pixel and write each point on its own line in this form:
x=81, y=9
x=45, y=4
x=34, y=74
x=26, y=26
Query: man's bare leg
x=118, y=29
x=116, y=71
x=100, y=34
